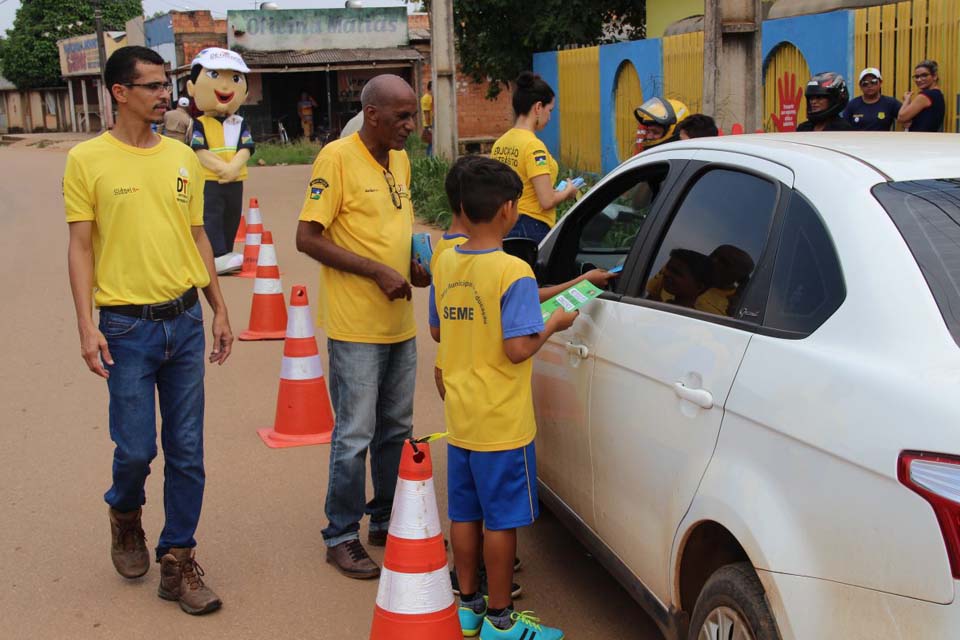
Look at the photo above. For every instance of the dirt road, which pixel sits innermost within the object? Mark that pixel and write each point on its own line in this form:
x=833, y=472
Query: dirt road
x=260, y=531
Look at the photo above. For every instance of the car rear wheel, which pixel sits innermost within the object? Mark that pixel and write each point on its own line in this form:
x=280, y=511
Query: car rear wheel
x=732, y=606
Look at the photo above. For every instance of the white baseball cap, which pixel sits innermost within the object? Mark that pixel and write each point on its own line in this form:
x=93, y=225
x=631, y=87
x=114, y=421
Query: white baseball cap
x=870, y=71
x=183, y=102
x=217, y=58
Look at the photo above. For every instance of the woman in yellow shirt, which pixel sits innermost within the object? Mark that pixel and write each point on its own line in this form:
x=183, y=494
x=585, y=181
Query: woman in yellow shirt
x=525, y=153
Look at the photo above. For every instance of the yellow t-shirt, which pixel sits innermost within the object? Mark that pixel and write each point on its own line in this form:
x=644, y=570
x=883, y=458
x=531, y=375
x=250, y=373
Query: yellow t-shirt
x=448, y=241
x=223, y=137
x=142, y=203
x=350, y=196
x=480, y=299
x=526, y=154
x=426, y=107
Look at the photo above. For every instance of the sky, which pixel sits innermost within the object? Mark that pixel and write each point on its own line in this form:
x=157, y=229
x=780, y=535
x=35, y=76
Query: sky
x=8, y=8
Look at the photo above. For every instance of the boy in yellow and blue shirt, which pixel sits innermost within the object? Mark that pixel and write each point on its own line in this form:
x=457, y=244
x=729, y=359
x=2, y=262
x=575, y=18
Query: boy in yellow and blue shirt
x=486, y=306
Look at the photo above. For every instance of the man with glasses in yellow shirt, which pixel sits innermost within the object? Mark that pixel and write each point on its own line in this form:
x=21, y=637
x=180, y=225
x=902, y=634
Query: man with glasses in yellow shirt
x=357, y=222
x=138, y=251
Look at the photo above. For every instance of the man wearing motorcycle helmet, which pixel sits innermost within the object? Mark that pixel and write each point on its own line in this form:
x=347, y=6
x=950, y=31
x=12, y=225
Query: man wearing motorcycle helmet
x=826, y=95
x=658, y=119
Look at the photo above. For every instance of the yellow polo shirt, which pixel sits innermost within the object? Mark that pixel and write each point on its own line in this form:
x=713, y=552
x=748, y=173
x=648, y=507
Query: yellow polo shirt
x=224, y=137
x=350, y=196
x=142, y=203
x=478, y=300
x=526, y=154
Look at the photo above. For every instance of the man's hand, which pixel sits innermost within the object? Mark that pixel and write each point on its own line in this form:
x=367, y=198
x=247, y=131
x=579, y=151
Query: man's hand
x=418, y=275
x=222, y=338
x=393, y=285
x=94, y=349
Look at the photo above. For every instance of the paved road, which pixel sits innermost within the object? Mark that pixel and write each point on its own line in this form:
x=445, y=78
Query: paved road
x=260, y=533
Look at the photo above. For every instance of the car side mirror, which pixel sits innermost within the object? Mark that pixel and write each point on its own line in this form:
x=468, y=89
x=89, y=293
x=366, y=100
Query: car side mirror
x=523, y=248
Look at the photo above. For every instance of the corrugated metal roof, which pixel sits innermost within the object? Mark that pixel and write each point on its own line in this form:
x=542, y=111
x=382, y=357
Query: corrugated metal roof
x=327, y=56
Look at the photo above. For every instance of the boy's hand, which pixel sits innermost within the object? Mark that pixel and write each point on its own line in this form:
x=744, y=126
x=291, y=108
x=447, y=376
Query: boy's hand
x=562, y=320
x=599, y=277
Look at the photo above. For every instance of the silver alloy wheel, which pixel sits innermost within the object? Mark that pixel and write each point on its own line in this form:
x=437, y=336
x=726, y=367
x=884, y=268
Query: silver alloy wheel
x=724, y=623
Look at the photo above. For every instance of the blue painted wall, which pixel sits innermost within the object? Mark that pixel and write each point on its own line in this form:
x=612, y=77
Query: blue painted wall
x=545, y=65
x=647, y=57
x=824, y=39
x=158, y=30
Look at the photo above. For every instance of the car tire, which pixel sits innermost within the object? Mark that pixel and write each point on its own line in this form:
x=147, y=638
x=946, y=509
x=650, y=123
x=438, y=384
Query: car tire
x=733, y=606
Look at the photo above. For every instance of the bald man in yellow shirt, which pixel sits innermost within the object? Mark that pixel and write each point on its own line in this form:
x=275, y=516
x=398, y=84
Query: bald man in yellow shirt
x=357, y=222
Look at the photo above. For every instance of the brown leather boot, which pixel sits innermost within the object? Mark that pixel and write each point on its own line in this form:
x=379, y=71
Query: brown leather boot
x=128, y=548
x=351, y=559
x=181, y=580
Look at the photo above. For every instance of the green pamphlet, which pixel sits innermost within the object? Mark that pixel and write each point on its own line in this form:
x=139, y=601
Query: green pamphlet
x=571, y=299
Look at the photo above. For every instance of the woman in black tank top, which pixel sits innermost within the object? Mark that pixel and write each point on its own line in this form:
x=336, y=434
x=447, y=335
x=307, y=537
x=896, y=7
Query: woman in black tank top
x=923, y=109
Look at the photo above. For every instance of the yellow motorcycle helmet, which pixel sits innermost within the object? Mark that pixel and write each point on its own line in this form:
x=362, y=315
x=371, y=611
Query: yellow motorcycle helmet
x=664, y=113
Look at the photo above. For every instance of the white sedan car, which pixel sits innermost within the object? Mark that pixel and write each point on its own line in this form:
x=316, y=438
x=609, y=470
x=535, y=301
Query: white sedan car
x=757, y=430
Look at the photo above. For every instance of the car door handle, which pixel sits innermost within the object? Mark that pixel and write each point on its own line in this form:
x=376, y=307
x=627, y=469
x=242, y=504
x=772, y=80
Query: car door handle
x=699, y=397
x=579, y=350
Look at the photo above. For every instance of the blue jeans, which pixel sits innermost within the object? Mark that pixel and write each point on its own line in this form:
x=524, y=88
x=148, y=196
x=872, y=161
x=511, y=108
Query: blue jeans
x=527, y=227
x=371, y=387
x=165, y=359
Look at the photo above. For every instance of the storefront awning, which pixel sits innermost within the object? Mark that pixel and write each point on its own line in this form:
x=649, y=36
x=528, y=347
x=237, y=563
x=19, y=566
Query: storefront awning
x=273, y=61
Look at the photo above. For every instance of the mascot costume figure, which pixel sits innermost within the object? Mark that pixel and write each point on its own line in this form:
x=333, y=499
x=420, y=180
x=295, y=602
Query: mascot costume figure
x=222, y=141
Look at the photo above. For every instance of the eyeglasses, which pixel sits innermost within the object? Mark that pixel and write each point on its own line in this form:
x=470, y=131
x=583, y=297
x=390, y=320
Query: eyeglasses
x=152, y=87
x=868, y=83
x=394, y=192
x=920, y=76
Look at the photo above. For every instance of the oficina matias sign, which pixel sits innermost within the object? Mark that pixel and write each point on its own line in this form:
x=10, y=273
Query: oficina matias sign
x=307, y=29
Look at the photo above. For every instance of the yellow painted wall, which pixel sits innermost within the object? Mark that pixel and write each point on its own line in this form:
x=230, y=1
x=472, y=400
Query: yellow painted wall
x=683, y=69
x=662, y=13
x=785, y=60
x=579, y=95
x=896, y=37
x=628, y=95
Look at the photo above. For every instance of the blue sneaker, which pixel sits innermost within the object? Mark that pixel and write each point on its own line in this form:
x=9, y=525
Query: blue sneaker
x=470, y=620
x=525, y=627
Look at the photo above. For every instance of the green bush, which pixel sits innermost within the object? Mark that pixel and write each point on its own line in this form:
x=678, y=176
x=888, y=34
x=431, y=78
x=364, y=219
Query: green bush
x=272, y=153
x=426, y=184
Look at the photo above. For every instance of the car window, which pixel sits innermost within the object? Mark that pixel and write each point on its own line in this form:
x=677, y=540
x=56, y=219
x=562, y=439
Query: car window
x=807, y=284
x=603, y=227
x=713, y=243
x=927, y=213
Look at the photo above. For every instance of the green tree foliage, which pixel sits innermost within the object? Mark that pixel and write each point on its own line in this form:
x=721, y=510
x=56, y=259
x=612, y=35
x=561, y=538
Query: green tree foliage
x=30, y=57
x=496, y=39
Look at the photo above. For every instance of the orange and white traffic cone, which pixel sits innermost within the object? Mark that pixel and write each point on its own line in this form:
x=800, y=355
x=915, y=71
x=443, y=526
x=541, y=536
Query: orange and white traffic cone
x=242, y=229
x=415, y=597
x=304, y=415
x=268, y=314
x=251, y=241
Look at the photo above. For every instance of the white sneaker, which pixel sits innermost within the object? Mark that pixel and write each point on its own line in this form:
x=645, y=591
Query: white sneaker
x=228, y=263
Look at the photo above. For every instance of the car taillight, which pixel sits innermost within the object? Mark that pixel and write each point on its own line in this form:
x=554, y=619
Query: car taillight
x=936, y=478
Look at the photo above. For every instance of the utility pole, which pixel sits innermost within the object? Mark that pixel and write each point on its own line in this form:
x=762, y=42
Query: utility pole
x=443, y=64
x=732, y=86
x=107, y=100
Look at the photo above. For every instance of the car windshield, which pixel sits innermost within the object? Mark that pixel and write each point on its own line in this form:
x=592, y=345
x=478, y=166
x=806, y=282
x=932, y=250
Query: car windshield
x=927, y=213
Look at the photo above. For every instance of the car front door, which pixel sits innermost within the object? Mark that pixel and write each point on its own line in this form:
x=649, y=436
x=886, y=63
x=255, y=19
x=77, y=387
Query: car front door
x=598, y=233
x=668, y=354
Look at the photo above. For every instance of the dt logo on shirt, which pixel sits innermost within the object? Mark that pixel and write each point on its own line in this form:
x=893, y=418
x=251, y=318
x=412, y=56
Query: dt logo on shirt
x=183, y=195
x=317, y=186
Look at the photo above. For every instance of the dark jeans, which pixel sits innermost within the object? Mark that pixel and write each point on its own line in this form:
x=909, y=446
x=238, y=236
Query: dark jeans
x=222, y=206
x=165, y=359
x=371, y=387
x=527, y=227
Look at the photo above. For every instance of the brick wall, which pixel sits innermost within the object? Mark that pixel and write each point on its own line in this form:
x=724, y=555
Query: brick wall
x=194, y=31
x=477, y=117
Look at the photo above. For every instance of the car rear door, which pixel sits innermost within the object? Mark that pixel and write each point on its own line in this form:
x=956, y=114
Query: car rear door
x=669, y=352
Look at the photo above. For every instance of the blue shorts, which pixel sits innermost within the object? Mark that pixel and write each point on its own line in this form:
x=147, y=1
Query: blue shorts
x=497, y=487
